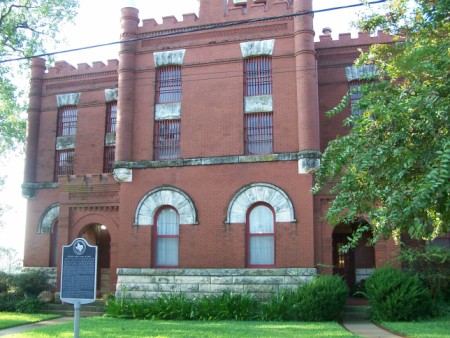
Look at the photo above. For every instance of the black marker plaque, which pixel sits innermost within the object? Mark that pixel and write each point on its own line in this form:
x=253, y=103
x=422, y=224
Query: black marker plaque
x=79, y=272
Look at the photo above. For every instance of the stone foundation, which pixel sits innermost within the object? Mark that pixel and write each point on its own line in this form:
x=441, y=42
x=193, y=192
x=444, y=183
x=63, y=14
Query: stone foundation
x=262, y=283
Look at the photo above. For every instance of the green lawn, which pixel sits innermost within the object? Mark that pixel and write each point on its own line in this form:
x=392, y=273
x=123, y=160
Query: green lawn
x=113, y=327
x=432, y=328
x=11, y=319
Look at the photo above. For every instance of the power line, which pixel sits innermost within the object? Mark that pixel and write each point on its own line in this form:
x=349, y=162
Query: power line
x=195, y=29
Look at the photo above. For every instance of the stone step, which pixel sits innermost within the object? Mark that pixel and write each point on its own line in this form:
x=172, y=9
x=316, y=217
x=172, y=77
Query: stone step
x=355, y=312
x=96, y=308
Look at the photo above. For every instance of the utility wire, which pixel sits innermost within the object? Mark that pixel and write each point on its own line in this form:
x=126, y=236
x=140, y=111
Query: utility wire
x=196, y=29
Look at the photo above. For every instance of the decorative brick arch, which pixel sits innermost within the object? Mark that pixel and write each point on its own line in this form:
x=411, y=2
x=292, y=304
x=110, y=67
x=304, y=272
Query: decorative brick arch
x=95, y=218
x=260, y=192
x=159, y=197
x=48, y=219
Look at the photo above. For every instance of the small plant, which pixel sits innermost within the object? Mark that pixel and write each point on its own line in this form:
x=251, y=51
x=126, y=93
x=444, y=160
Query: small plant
x=30, y=305
x=31, y=283
x=395, y=295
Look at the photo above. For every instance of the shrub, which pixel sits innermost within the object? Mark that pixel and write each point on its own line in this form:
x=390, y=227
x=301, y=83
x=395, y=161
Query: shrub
x=432, y=264
x=279, y=307
x=8, y=302
x=31, y=283
x=30, y=305
x=395, y=295
x=5, y=282
x=322, y=299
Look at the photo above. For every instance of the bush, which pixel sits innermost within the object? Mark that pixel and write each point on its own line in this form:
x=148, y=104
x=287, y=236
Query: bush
x=432, y=264
x=395, y=295
x=31, y=283
x=321, y=300
x=8, y=302
x=30, y=305
x=5, y=282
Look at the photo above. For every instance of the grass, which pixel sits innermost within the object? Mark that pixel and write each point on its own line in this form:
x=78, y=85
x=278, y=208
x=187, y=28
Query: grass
x=436, y=327
x=11, y=319
x=113, y=327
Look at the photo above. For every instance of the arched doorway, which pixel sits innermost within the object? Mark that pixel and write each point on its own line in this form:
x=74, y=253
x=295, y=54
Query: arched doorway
x=98, y=234
x=356, y=264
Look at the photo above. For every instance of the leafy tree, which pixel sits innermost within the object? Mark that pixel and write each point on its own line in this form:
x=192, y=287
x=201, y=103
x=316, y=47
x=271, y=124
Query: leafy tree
x=393, y=167
x=26, y=26
x=9, y=260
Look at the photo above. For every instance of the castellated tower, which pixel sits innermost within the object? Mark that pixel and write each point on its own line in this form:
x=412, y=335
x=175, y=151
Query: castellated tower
x=189, y=157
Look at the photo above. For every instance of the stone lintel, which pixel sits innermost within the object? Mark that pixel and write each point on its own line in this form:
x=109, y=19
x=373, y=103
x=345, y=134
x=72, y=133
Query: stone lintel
x=258, y=104
x=167, y=111
x=65, y=142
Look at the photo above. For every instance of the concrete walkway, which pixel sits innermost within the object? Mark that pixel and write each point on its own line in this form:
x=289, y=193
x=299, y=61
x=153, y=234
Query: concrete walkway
x=356, y=320
x=27, y=327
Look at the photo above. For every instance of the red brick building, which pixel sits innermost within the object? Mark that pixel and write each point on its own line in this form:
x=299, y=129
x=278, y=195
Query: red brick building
x=189, y=161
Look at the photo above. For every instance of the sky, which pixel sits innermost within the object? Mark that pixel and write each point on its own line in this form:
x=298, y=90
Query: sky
x=98, y=21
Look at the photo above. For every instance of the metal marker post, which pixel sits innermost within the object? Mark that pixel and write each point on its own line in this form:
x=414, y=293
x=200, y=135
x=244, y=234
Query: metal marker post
x=78, y=277
x=76, y=321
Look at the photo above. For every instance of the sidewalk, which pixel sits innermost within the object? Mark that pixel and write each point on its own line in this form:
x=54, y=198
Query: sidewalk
x=356, y=320
x=27, y=327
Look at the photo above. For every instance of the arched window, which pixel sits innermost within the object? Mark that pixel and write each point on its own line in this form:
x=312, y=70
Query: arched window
x=167, y=235
x=261, y=236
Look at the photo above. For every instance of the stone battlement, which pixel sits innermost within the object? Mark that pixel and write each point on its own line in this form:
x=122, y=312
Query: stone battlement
x=63, y=68
x=345, y=39
x=215, y=12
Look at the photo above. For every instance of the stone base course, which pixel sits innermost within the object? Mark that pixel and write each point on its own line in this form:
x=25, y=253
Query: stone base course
x=262, y=283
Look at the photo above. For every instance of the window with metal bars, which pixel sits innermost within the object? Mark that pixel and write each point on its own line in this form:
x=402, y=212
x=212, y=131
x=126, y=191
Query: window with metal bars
x=258, y=76
x=67, y=121
x=258, y=134
x=108, y=159
x=111, y=117
x=64, y=163
x=168, y=84
x=355, y=95
x=167, y=140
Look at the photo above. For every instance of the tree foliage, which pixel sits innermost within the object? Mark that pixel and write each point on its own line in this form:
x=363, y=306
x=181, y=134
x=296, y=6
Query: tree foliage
x=26, y=27
x=393, y=168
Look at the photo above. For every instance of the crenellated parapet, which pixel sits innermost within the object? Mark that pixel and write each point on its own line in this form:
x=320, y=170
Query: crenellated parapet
x=63, y=68
x=346, y=40
x=217, y=11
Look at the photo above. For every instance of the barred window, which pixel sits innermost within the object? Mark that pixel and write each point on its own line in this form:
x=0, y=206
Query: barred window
x=168, y=84
x=108, y=159
x=355, y=95
x=64, y=162
x=111, y=117
x=258, y=76
x=67, y=121
x=258, y=134
x=167, y=140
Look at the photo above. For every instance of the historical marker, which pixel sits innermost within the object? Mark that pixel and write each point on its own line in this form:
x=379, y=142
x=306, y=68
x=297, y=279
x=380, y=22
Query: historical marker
x=78, y=276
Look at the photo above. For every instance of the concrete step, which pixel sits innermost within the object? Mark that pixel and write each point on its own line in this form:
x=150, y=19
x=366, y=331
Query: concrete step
x=355, y=313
